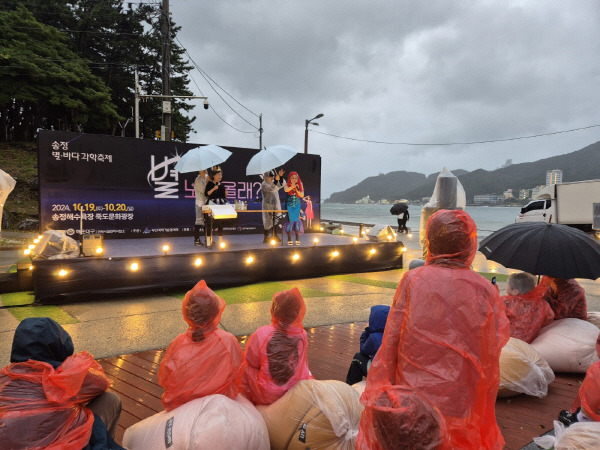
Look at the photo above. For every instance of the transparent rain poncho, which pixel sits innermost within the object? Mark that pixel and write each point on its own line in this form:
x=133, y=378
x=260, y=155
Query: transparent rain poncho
x=204, y=360
x=275, y=358
x=443, y=338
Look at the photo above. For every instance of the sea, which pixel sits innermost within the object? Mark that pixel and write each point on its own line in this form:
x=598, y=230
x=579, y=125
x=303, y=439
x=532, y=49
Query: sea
x=487, y=218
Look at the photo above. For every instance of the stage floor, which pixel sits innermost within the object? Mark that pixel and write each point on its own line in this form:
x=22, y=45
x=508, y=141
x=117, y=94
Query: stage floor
x=116, y=248
x=141, y=265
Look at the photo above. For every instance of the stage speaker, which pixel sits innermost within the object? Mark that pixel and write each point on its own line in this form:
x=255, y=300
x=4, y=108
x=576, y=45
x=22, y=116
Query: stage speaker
x=380, y=233
x=90, y=244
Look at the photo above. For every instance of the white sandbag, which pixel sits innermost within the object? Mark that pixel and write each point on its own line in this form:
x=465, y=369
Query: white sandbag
x=579, y=436
x=360, y=387
x=568, y=345
x=523, y=370
x=593, y=317
x=209, y=423
x=314, y=414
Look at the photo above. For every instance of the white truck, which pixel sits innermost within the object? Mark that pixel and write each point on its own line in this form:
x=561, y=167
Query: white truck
x=567, y=203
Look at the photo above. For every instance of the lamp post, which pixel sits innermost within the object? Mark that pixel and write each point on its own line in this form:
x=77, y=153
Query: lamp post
x=306, y=122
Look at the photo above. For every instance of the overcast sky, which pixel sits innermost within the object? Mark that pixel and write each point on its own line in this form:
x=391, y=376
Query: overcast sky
x=426, y=71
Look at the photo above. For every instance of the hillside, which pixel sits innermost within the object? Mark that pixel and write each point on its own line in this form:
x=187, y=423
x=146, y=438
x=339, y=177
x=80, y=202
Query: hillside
x=576, y=166
x=388, y=186
x=19, y=160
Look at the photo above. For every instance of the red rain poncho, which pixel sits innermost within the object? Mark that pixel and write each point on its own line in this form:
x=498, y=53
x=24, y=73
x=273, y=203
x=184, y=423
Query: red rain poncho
x=402, y=419
x=204, y=360
x=565, y=297
x=44, y=407
x=443, y=338
x=588, y=396
x=527, y=313
x=275, y=358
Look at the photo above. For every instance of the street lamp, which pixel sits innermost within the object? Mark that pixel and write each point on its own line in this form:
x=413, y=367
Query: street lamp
x=318, y=116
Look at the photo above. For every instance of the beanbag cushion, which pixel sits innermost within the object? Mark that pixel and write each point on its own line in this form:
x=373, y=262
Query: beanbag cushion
x=523, y=370
x=314, y=414
x=568, y=345
x=209, y=423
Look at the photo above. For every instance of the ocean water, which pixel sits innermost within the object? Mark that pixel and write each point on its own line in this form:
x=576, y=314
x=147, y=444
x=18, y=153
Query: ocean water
x=487, y=219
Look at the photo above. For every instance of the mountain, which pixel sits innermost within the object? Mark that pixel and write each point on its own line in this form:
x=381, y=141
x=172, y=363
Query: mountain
x=576, y=166
x=389, y=186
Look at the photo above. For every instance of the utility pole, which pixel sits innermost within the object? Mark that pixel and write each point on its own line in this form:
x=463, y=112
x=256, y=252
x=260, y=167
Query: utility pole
x=260, y=130
x=136, y=113
x=165, y=28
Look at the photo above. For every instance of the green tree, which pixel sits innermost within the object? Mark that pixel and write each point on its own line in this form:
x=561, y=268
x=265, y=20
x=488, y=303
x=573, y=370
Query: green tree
x=43, y=80
x=115, y=37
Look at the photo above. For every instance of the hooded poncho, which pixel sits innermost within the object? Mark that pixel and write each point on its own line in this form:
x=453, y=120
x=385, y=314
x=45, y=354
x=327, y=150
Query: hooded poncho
x=275, y=358
x=527, y=313
x=565, y=297
x=204, y=360
x=44, y=390
x=443, y=339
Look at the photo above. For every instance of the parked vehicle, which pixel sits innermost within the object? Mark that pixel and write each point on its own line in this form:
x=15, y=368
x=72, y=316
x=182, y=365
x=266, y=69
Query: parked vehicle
x=567, y=203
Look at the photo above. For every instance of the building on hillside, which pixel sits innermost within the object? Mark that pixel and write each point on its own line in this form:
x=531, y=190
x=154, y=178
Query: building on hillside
x=554, y=177
x=366, y=199
x=488, y=199
x=536, y=190
x=508, y=194
x=524, y=194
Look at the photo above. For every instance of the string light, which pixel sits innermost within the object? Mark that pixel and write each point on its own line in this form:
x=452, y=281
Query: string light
x=296, y=257
x=165, y=248
x=249, y=260
x=62, y=273
x=198, y=262
x=134, y=266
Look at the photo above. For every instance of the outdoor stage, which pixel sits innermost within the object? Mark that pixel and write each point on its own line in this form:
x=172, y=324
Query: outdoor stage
x=141, y=265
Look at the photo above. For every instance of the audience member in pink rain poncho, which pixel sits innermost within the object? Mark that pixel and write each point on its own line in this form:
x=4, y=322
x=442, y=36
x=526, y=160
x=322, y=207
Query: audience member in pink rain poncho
x=526, y=309
x=443, y=339
x=565, y=297
x=275, y=358
x=204, y=360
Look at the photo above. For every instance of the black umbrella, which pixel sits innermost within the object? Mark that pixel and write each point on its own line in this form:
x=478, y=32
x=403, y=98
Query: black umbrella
x=398, y=208
x=544, y=249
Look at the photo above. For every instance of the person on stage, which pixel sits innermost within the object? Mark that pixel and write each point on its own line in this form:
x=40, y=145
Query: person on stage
x=270, y=192
x=294, y=191
x=200, y=189
x=215, y=194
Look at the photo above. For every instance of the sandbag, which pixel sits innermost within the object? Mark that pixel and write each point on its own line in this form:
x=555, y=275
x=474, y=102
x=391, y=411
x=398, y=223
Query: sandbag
x=593, y=317
x=523, y=370
x=579, y=436
x=314, y=414
x=211, y=423
x=568, y=345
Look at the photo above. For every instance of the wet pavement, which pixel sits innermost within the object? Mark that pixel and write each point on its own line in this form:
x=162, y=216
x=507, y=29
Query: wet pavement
x=135, y=323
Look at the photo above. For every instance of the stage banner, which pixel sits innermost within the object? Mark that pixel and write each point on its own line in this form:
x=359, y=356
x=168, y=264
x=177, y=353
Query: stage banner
x=126, y=187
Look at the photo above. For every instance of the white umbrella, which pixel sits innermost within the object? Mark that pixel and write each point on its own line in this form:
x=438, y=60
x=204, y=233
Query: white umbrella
x=269, y=158
x=202, y=158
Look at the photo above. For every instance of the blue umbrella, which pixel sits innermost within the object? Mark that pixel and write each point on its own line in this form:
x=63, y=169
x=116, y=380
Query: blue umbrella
x=202, y=158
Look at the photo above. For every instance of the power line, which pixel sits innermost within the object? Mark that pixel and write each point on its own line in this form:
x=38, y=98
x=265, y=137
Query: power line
x=455, y=143
x=206, y=78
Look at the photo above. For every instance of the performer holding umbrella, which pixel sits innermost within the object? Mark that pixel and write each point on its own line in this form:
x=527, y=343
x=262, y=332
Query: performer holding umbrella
x=198, y=160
